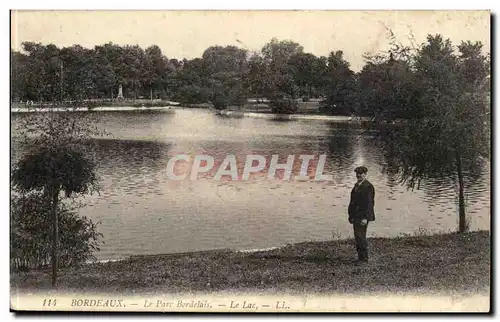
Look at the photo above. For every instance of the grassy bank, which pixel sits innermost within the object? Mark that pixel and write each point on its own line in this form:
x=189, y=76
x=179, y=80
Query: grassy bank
x=297, y=116
x=306, y=108
x=96, y=103
x=450, y=263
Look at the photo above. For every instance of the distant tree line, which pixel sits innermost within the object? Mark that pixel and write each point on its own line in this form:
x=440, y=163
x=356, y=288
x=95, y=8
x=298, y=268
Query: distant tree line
x=389, y=84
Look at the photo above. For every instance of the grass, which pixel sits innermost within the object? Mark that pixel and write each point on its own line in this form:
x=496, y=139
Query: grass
x=303, y=108
x=100, y=103
x=449, y=263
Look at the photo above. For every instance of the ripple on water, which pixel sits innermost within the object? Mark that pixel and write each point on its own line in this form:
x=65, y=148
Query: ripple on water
x=185, y=216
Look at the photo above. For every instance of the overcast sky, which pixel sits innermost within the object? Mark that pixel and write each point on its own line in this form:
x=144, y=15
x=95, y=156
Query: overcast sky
x=186, y=34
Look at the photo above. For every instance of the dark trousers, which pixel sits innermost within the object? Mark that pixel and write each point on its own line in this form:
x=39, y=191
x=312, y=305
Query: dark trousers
x=361, y=242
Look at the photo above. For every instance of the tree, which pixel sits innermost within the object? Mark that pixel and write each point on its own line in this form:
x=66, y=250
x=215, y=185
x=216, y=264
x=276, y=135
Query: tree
x=77, y=73
x=279, y=80
x=189, y=80
x=278, y=52
x=255, y=78
x=447, y=135
x=42, y=71
x=19, y=90
x=339, y=86
x=31, y=233
x=387, y=90
x=105, y=74
x=58, y=161
x=303, y=71
x=157, y=72
x=281, y=105
x=134, y=70
x=224, y=70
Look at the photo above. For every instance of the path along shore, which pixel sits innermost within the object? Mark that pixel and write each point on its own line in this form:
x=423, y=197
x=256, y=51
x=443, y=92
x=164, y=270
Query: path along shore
x=226, y=113
x=326, y=118
x=93, y=109
x=437, y=264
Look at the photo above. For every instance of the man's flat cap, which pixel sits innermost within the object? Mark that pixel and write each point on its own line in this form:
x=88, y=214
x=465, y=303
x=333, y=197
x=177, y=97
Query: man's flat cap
x=361, y=170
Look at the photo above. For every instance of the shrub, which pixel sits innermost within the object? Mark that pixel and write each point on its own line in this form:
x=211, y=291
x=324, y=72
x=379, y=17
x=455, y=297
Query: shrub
x=191, y=94
x=31, y=234
x=220, y=101
x=73, y=169
x=284, y=106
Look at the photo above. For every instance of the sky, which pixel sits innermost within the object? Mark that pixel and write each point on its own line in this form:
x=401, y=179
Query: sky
x=186, y=34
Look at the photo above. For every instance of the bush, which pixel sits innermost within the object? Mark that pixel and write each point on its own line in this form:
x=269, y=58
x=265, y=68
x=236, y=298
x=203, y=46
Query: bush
x=284, y=106
x=220, y=101
x=31, y=234
x=74, y=170
x=191, y=94
x=329, y=108
x=150, y=104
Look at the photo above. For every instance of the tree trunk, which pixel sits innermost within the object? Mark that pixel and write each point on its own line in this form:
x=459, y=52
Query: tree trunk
x=62, y=83
x=462, y=227
x=55, y=234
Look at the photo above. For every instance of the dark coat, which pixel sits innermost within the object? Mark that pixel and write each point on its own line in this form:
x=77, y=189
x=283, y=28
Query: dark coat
x=362, y=202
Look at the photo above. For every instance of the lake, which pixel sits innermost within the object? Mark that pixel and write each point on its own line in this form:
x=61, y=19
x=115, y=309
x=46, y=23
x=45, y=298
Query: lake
x=143, y=212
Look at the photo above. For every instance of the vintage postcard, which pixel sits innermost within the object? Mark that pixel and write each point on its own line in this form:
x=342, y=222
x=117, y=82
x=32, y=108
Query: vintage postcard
x=250, y=161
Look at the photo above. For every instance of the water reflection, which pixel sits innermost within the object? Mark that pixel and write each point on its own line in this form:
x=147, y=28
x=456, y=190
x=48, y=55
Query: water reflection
x=440, y=192
x=143, y=212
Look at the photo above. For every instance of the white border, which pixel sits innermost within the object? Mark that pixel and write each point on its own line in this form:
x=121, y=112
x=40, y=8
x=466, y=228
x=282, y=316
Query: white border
x=151, y=5
x=256, y=4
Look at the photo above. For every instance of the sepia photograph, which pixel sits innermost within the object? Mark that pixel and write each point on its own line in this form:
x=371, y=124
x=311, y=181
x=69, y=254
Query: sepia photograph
x=250, y=161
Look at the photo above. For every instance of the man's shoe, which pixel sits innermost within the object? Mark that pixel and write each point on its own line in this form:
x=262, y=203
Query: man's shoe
x=360, y=262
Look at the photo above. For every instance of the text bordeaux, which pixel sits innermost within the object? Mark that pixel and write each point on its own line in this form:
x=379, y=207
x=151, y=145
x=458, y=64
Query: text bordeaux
x=97, y=303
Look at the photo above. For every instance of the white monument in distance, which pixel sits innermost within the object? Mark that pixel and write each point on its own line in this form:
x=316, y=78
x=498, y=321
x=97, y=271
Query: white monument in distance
x=120, y=93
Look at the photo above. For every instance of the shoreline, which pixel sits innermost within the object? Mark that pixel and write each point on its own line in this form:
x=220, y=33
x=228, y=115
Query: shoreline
x=452, y=263
x=224, y=113
x=251, y=251
x=292, y=117
x=92, y=109
x=189, y=253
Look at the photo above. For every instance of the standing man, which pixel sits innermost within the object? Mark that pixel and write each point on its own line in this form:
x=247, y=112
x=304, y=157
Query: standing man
x=361, y=211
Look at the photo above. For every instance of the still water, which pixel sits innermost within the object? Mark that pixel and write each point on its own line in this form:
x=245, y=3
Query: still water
x=141, y=211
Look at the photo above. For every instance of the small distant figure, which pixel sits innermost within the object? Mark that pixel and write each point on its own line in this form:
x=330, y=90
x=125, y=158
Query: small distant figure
x=361, y=211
